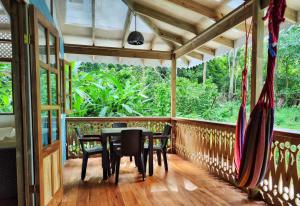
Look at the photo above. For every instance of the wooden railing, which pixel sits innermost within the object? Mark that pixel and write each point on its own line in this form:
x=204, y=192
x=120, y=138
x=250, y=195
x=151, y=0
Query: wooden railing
x=211, y=145
x=93, y=125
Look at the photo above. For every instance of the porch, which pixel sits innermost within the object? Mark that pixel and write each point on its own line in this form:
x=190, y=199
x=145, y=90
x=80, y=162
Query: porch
x=184, y=184
x=208, y=147
x=177, y=34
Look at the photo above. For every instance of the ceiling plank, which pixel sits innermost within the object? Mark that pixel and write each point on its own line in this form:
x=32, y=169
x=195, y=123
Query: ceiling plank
x=207, y=50
x=232, y=19
x=149, y=12
x=156, y=31
x=196, y=55
x=291, y=15
x=126, y=27
x=196, y=7
x=185, y=60
x=170, y=36
x=224, y=41
x=165, y=36
x=117, y=52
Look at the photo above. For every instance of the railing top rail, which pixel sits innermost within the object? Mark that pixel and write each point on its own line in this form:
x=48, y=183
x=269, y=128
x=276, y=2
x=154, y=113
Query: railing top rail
x=278, y=132
x=124, y=119
x=197, y=121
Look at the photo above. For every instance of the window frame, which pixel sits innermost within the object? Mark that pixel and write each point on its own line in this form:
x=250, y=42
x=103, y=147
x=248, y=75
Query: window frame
x=64, y=81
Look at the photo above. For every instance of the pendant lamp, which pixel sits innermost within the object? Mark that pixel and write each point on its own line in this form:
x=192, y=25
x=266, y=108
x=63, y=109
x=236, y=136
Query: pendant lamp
x=135, y=37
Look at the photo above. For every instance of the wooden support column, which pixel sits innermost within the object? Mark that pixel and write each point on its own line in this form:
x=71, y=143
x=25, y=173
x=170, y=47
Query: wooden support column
x=173, y=87
x=257, y=52
x=204, y=72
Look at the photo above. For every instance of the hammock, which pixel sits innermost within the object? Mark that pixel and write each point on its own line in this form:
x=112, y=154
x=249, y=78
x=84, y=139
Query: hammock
x=253, y=144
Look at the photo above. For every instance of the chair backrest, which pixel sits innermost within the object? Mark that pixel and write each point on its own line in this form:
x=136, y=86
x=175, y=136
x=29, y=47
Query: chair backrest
x=132, y=142
x=78, y=135
x=166, y=132
x=119, y=124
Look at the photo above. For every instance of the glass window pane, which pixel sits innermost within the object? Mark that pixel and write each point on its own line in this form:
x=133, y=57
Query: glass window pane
x=43, y=86
x=53, y=80
x=52, y=44
x=42, y=43
x=45, y=127
x=66, y=72
x=54, y=122
x=68, y=102
x=6, y=93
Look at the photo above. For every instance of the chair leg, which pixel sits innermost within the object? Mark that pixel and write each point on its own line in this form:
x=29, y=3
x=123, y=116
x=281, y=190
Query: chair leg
x=165, y=159
x=117, y=170
x=108, y=166
x=84, y=165
x=113, y=163
x=136, y=161
x=145, y=159
x=142, y=166
x=158, y=153
x=130, y=158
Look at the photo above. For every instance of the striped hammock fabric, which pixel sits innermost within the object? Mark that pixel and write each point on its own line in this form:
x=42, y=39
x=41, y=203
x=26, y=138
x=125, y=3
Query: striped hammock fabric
x=253, y=143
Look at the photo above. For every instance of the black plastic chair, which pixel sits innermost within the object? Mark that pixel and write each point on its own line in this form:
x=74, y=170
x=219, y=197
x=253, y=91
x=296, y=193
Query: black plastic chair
x=131, y=144
x=87, y=152
x=160, y=148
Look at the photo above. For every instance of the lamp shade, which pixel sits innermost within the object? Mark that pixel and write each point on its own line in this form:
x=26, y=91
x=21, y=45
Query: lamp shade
x=135, y=38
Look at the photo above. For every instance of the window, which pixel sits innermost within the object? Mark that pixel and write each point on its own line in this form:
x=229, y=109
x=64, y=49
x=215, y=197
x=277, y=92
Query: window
x=67, y=86
x=6, y=91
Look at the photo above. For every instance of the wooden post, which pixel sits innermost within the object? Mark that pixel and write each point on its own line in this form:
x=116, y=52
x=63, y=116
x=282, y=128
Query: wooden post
x=257, y=65
x=204, y=72
x=257, y=52
x=173, y=87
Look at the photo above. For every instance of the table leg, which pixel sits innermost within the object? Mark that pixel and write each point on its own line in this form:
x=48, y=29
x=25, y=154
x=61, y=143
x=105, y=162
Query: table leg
x=150, y=155
x=104, y=157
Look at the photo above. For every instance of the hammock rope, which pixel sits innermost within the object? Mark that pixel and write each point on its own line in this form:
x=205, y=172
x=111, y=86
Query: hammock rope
x=253, y=143
x=240, y=128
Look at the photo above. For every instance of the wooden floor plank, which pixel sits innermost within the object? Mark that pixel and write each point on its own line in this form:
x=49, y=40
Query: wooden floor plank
x=184, y=184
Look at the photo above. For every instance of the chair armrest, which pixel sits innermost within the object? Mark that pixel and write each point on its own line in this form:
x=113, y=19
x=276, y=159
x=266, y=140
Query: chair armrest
x=161, y=136
x=92, y=135
x=89, y=139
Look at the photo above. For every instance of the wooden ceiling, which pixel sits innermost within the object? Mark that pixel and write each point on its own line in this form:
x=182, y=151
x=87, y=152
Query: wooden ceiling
x=192, y=28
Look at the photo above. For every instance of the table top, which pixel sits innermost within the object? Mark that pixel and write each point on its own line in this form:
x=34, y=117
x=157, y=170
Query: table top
x=117, y=131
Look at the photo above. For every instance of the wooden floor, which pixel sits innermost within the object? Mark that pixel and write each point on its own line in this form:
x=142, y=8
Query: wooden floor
x=184, y=184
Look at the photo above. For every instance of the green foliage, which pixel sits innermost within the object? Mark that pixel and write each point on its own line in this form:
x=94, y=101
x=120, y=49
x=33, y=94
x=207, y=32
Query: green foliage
x=6, y=98
x=114, y=90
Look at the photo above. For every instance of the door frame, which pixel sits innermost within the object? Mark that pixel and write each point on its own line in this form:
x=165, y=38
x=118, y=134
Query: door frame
x=36, y=18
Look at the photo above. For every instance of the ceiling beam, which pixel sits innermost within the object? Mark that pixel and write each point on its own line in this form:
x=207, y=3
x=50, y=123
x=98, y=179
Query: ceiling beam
x=156, y=31
x=93, y=21
x=149, y=12
x=196, y=55
x=170, y=36
x=152, y=42
x=207, y=50
x=167, y=37
x=196, y=7
x=291, y=15
x=224, y=41
x=126, y=27
x=117, y=52
x=232, y=19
